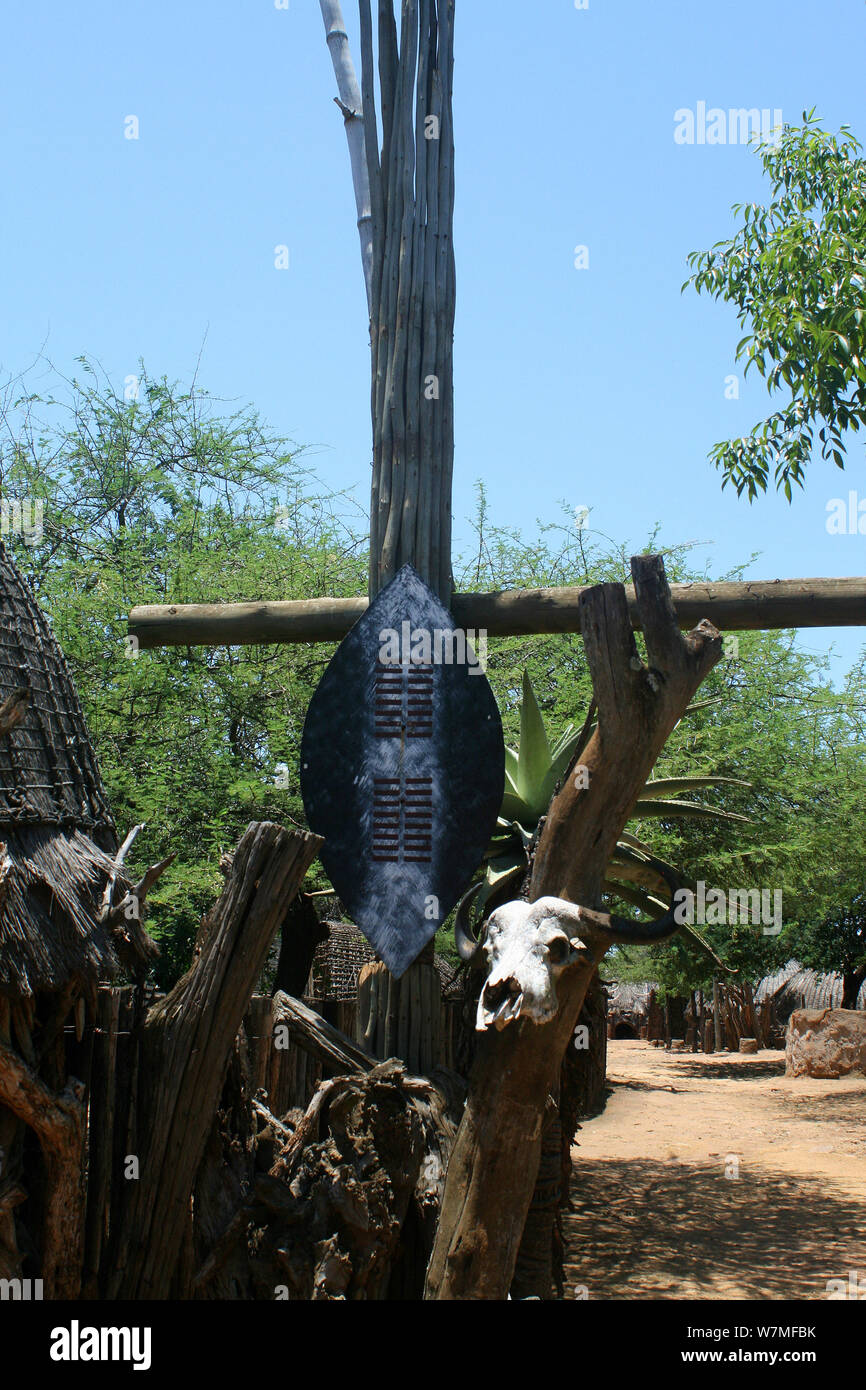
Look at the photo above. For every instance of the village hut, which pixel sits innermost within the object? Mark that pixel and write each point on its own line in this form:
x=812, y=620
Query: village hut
x=339, y=965
x=332, y=989
x=628, y=1009
x=58, y=835
x=796, y=987
x=64, y=928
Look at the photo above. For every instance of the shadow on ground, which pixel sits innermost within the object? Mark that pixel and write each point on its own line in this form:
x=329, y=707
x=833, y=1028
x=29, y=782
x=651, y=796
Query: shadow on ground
x=845, y=1108
x=643, y=1230
x=733, y=1071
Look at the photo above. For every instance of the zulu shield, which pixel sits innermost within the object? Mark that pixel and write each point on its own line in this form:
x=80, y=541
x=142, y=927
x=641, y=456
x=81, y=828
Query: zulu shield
x=403, y=767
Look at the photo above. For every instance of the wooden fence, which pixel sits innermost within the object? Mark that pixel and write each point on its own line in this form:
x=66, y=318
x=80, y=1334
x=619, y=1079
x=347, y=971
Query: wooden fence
x=692, y=1022
x=105, y=1057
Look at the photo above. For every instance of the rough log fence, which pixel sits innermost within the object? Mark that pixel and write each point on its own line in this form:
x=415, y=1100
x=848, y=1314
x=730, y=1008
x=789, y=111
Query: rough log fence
x=106, y=1058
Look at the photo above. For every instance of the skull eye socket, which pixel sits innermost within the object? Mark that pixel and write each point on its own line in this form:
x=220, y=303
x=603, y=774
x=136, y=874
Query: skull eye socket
x=557, y=950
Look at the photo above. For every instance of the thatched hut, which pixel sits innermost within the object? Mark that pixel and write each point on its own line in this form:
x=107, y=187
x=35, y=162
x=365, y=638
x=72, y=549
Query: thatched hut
x=339, y=965
x=68, y=920
x=58, y=836
x=796, y=987
x=628, y=1009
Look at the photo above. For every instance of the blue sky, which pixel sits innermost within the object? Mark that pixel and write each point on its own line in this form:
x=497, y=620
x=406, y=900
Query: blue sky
x=604, y=387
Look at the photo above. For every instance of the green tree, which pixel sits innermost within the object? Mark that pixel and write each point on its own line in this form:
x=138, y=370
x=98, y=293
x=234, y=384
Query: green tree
x=776, y=722
x=796, y=271
x=169, y=497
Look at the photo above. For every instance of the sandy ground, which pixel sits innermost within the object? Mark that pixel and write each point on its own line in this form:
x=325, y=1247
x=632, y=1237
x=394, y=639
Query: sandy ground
x=656, y=1215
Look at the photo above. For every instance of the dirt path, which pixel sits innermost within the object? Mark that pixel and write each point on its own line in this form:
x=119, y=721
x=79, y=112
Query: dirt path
x=655, y=1215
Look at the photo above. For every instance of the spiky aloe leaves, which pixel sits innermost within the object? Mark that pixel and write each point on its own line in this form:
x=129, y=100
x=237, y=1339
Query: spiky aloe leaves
x=402, y=768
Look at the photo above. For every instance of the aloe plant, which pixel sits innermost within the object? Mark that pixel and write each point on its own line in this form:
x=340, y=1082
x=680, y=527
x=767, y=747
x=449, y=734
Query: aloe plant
x=532, y=772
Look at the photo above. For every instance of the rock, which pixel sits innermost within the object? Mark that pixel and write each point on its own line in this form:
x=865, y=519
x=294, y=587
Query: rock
x=826, y=1043
x=678, y=1044
x=748, y=1044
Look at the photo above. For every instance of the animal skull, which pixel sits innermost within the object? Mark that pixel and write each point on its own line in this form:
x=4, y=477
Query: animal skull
x=527, y=948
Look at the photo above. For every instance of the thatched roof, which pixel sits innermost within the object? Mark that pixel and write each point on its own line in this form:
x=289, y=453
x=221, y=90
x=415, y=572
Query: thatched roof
x=57, y=835
x=48, y=771
x=338, y=961
x=795, y=987
x=628, y=1000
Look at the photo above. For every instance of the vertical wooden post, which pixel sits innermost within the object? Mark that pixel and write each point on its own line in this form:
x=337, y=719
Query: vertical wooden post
x=186, y=1043
x=413, y=289
x=493, y=1168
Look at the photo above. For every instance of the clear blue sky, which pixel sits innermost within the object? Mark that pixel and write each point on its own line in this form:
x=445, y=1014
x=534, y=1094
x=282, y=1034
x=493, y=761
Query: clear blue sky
x=603, y=387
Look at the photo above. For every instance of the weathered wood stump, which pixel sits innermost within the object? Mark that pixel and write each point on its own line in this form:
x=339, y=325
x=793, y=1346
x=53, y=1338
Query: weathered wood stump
x=186, y=1044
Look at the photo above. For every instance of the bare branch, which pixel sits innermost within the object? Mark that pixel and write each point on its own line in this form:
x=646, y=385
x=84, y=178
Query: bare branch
x=349, y=102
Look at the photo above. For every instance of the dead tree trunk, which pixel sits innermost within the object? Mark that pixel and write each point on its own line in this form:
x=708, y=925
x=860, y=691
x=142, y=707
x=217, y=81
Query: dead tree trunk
x=186, y=1044
x=58, y=1120
x=494, y=1166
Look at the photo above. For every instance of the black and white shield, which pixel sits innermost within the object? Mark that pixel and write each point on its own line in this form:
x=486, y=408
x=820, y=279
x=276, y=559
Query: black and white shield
x=403, y=767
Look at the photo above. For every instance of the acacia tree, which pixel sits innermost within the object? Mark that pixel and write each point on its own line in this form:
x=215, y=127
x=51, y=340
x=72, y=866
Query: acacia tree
x=172, y=495
x=796, y=270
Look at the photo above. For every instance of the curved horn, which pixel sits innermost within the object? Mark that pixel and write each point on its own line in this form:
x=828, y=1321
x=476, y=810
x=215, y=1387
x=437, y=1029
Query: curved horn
x=620, y=931
x=468, y=949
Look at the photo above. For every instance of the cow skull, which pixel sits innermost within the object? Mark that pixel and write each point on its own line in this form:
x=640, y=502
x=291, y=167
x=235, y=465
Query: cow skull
x=526, y=947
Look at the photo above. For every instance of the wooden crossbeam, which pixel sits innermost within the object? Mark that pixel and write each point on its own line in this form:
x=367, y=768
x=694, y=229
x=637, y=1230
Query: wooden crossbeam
x=753, y=605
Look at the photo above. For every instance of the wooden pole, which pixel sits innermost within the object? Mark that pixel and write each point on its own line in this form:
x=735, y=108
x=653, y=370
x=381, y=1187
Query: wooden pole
x=412, y=289
x=349, y=102
x=493, y=1169
x=759, y=605
x=186, y=1043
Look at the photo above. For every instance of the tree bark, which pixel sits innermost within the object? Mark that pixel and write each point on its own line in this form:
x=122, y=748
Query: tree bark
x=349, y=102
x=186, y=1044
x=58, y=1121
x=494, y=1166
x=308, y=1030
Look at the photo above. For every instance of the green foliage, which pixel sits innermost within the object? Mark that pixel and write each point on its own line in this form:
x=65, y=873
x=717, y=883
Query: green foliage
x=171, y=497
x=166, y=499
x=532, y=773
x=780, y=726
x=796, y=270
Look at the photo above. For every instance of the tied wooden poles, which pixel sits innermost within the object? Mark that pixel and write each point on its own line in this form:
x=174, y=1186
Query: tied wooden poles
x=406, y=187
x=413, y=289
x=758, y=605
x=493, y=1169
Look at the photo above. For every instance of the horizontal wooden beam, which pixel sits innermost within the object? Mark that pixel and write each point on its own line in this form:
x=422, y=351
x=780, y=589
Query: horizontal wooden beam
x=753, y=605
